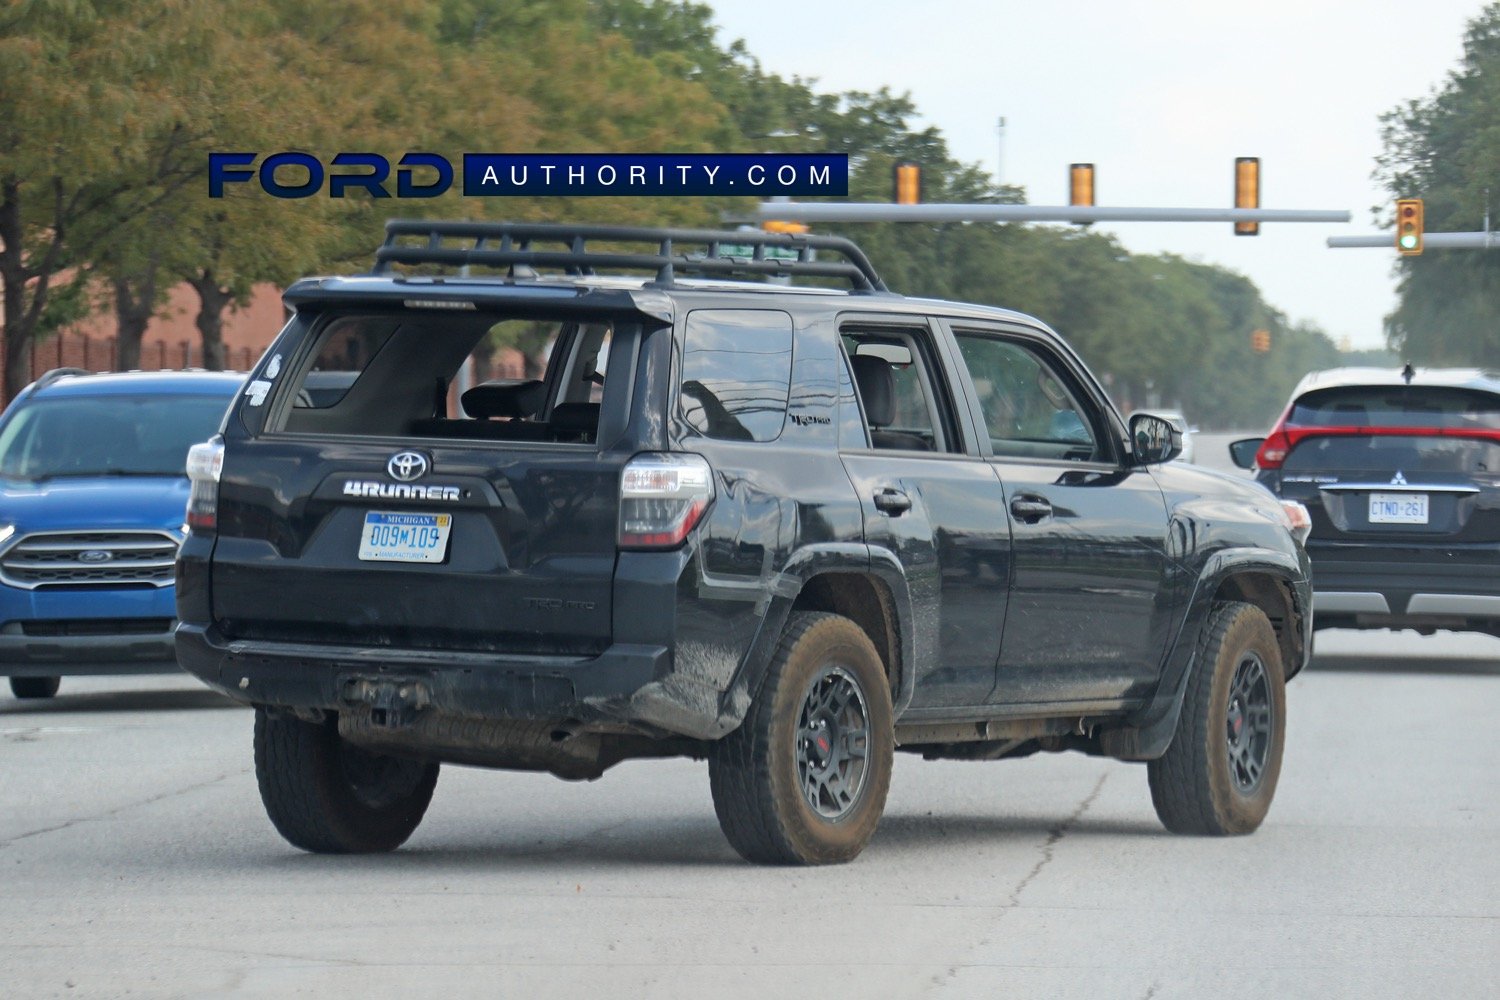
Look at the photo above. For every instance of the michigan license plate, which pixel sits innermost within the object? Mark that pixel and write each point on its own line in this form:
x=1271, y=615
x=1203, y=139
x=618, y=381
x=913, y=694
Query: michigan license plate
x=1398, y=508
x=416, y=538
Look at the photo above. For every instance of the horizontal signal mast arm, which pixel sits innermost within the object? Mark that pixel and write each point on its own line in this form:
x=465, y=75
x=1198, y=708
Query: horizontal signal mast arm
x=832, y=211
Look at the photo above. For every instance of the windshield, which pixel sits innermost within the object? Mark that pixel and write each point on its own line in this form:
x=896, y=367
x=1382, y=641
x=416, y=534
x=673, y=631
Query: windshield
x=107, y=435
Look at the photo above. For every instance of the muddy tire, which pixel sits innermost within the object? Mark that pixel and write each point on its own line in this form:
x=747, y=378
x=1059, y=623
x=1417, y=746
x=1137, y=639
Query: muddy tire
x=328, y=796
x=34, y=687
x=1219, y=775
x=803, y=780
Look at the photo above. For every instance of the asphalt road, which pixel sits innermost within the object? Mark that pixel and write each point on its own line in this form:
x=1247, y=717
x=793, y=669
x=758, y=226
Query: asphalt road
x=135, y=859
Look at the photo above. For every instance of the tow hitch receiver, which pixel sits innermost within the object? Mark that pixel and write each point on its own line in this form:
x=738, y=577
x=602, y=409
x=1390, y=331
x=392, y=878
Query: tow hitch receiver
x=394, y=702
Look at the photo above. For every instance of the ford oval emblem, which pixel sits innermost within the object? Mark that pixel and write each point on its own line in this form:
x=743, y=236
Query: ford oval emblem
x=406, y=466
x=95, y=556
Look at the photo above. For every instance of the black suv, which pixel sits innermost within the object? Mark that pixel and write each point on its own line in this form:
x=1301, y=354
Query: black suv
x=1401, y=474
x=786, y=529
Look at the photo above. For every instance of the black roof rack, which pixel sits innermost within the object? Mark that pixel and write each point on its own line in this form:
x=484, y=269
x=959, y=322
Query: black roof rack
x=508, y=244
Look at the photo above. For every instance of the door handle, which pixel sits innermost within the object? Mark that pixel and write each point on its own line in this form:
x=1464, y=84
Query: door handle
x=1030, y=509
x=892, y=502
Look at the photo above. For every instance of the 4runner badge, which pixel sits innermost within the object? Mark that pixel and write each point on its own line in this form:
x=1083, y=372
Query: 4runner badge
x=406, y=466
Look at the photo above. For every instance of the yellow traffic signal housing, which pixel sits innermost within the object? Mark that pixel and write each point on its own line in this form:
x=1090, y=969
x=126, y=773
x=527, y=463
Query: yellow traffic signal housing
x=1081, y=184
x=908, y=182
x=1260, y=341
x=1247, y=193
x=781, y=226
x=1409, y=226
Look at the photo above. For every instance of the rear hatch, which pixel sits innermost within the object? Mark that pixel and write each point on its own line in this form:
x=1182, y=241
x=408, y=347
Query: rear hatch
x=1410, y=464
x=410, y=486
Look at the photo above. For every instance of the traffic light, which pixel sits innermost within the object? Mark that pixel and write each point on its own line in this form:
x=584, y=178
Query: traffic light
x=781, y=226
x=908, y=182
x=1409, y=226
x=1081, y=184
x=1247, y=192
x=1260, y=341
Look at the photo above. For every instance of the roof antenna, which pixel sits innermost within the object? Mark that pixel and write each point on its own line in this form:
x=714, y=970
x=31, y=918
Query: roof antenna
x=1408, y=373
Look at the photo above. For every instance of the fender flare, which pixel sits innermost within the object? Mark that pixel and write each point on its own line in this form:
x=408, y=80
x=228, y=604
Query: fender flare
x=805, y=565
x=1149, y=730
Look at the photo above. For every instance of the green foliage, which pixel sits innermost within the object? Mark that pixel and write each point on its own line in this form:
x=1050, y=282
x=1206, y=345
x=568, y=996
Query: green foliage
x=117, y=105
x=1445, y=149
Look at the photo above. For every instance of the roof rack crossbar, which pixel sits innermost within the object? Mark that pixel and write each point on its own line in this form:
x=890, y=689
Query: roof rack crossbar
x=506, y=244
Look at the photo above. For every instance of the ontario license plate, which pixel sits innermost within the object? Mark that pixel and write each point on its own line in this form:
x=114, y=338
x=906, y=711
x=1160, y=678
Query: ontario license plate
x=416, y=538
x=1398, y=508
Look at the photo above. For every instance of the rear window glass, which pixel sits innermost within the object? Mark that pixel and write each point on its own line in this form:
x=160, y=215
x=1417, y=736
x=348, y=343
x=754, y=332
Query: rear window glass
x=1389, y=453
x=471, y=375
x=1397, y=406
x=737, y=373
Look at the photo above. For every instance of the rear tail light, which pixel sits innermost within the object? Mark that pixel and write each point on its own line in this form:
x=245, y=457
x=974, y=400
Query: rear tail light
x=205, y=463
x=1273, y=450
x=662, y=498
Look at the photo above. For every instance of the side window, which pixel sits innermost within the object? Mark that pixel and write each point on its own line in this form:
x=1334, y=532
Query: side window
x=902, y=403
x=1029, y=409
x=737, y=373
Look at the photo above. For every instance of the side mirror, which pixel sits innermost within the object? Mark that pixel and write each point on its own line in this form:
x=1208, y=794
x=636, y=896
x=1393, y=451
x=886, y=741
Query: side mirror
x=1243, y=452
x=1155, y=439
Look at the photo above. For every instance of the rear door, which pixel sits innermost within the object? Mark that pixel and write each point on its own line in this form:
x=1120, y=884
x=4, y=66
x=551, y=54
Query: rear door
x=932, y=500
x=371, y=510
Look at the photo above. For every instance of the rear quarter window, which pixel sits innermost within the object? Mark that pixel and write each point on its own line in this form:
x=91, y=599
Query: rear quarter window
x=736, y=373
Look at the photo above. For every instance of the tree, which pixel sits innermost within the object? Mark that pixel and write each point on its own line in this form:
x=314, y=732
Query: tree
x=83, y=88
x=1446, y=150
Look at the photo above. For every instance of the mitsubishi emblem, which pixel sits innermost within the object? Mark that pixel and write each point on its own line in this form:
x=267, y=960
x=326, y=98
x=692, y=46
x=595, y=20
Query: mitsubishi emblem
x=1398, y=479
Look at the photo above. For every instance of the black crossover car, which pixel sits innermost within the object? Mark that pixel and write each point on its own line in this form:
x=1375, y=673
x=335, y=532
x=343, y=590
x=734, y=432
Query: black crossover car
x=787, y=529
x=1400, y=471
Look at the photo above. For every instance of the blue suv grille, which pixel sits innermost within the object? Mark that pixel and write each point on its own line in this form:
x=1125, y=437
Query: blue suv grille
x=90, y=558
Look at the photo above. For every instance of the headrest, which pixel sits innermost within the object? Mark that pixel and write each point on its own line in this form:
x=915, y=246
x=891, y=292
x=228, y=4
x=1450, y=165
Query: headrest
x=877, y=388
x=505, y=398
x=575, y=418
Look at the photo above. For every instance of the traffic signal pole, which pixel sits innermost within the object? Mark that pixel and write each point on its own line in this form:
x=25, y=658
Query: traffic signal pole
x=1431, y=241
x=874, y=211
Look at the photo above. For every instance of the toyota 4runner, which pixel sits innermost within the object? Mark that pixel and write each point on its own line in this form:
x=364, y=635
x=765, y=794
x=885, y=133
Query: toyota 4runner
x=787, y=529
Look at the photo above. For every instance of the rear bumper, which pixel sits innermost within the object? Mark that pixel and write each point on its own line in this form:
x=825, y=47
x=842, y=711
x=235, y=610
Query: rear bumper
x=629, y=684
x=1454, y=587
x=58, y=656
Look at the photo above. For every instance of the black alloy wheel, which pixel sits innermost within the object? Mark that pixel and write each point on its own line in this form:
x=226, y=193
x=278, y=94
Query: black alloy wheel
x=833, y=743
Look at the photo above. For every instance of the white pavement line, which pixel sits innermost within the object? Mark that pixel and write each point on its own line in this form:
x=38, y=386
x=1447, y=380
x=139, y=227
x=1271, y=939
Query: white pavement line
x=111, y=813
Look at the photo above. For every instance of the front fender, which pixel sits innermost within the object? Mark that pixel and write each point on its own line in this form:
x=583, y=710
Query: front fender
x=1150, y=729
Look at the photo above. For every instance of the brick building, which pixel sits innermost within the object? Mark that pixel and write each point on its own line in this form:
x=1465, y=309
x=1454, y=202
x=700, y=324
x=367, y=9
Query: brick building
x=172, y=339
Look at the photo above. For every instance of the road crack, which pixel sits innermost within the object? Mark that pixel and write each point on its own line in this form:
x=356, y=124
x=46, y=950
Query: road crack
x=1048, y=850
x=111, y=813
x=1054, y=836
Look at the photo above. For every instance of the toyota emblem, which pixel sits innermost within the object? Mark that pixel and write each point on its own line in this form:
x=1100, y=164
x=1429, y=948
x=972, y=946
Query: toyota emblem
x=406, y=466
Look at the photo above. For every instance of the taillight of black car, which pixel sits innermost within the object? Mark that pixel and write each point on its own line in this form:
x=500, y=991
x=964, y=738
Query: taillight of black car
x=205, y=463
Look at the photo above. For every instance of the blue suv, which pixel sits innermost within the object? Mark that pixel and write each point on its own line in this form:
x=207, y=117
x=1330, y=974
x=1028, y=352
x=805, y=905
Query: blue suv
x=92, y=494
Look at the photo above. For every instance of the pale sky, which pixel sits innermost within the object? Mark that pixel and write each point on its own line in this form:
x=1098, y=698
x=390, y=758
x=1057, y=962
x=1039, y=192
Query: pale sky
x=1161, y=97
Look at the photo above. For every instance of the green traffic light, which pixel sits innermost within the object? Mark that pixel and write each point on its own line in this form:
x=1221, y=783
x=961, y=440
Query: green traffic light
x=1408, y=241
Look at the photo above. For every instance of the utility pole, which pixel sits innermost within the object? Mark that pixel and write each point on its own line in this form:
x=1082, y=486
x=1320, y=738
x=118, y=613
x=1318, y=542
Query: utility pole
x=1000, y=153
